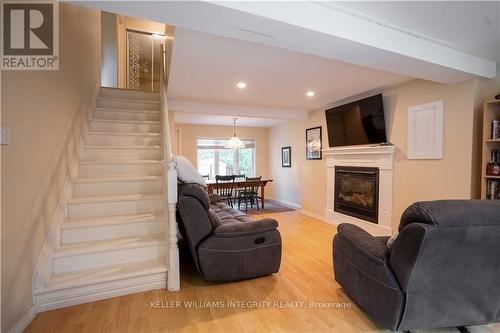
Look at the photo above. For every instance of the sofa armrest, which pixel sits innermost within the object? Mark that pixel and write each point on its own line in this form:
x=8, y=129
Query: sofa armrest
x=237, y=229
x=361, y=241
x=361, y=267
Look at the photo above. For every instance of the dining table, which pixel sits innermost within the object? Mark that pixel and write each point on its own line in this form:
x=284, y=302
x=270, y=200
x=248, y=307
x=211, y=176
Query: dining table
x=212, y=186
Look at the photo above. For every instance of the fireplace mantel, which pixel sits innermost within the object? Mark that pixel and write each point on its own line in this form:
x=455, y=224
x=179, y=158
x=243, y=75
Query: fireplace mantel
x=381, y=157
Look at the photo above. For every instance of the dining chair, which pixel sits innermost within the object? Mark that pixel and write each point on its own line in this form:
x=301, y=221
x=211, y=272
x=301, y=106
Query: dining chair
x=239, y=178
x=206, y=177
x=250, y=192
x=225, y=188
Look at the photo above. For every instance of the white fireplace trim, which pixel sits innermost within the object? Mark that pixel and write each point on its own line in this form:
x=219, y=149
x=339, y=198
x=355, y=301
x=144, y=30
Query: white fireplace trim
x=381, y=157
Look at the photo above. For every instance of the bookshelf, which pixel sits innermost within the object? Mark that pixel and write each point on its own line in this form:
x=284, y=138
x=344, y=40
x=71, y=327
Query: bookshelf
x=491, y=112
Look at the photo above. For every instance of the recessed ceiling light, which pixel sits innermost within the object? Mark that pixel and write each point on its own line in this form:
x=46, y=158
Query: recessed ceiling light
x=241, y=85
x=310, y=93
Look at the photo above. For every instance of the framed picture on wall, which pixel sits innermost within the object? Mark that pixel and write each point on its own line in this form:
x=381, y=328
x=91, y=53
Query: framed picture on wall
x=313, y=143
x=286, y=157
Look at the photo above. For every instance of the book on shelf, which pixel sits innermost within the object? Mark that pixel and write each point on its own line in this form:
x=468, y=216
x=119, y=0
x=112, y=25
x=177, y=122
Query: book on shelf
x=495, y=156
x=493, y=189
x=495, y=129
x=493, y=167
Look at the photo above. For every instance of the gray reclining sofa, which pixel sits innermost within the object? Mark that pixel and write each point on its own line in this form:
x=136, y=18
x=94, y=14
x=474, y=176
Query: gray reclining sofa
x=226, y=244
x=443, y=269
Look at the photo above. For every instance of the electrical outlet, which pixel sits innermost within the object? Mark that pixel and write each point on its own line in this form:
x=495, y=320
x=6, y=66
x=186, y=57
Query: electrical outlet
x=4, y=136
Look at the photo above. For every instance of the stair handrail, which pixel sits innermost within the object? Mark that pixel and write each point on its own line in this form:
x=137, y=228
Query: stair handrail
x=170, y=173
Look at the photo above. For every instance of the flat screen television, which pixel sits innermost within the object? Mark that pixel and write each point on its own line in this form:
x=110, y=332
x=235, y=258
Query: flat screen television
x=357, y=123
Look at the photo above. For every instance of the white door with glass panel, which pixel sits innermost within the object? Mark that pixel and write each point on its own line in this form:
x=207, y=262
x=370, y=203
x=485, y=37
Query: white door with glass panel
x=143, y=61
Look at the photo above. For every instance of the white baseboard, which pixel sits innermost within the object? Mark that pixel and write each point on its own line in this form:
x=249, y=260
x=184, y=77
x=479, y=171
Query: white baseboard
x=374, y=229
x=285, y=202
x=317, y=217
x=25, y=320
x=335, y=224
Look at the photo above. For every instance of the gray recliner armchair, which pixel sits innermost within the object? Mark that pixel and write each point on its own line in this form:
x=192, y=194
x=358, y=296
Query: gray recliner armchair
x=226, y=244
x=443, y=269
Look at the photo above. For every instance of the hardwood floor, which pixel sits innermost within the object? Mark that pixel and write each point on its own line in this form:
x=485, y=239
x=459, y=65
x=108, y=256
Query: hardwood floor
x=305, y=276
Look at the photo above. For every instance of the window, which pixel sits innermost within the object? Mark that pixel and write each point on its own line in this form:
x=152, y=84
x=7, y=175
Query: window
x=215, y=159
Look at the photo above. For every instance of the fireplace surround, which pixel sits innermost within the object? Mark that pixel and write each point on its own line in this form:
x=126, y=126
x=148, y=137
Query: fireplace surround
x=376, y=157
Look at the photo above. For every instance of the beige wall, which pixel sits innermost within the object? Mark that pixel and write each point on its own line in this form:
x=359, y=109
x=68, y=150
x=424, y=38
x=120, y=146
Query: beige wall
x=44, y=111
x=109, y=50
x=190, y=133
x=414, y=180
x=447, y=178
x=304, y=183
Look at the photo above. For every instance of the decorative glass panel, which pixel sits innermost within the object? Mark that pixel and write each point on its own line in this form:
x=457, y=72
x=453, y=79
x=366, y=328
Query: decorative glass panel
x=143, y=61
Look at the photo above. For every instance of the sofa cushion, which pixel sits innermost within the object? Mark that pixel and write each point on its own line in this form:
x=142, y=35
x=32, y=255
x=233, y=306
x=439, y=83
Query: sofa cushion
x=186, y=173
x=226, y=212
x=215, y=220
x=197, y=192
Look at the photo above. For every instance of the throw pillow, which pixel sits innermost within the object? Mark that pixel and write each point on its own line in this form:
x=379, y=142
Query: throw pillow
x=186, y=173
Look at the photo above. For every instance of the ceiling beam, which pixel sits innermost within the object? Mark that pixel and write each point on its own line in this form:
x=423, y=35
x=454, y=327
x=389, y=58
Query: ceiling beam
x=212, y=120
x=235, y=111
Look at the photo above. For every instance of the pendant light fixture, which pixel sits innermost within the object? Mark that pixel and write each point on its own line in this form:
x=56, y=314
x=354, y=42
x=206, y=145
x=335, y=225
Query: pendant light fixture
x=234, y=142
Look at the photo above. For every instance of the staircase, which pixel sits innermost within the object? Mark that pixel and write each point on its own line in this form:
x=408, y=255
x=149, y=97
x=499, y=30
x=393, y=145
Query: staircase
x=110, y=240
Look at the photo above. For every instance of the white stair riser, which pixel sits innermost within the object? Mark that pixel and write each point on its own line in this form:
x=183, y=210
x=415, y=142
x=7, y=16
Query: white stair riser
x=61, y=298
x=116, y=127
x=122, y=140
x=96, y=209
x=87, y=170
x=106, y=258
x=117, y=188
x=128, y=105
x=129, y=94
x=122, y=154
x=108, y=232
x=116, y=115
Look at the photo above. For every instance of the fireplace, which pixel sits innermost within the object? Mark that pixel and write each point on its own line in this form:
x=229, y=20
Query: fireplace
x=356, y=192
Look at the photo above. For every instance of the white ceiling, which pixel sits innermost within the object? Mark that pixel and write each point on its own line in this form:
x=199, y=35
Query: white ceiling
x=469, y=26
x=205, y=68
